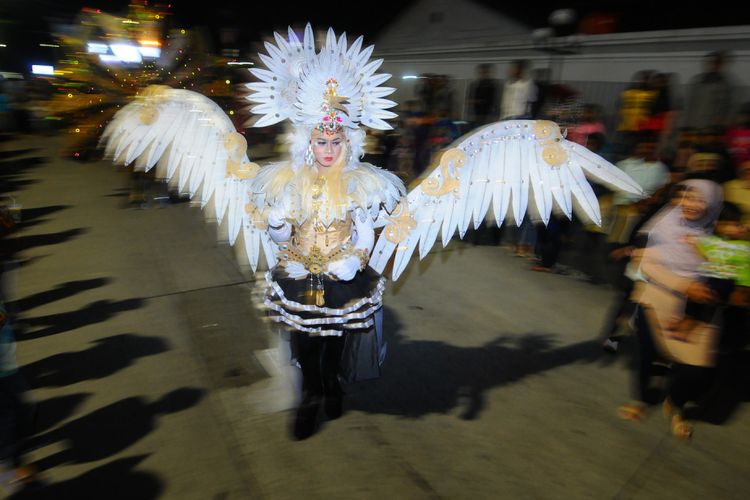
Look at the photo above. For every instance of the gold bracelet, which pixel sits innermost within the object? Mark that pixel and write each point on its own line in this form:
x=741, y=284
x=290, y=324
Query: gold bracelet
x=364, y=257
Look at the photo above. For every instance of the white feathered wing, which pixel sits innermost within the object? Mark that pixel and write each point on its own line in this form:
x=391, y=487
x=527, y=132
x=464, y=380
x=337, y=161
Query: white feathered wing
x=501, y=163
x=195, y=145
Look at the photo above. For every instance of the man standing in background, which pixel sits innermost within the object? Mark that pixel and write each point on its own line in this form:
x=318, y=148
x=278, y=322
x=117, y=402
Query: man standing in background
x=519, y=93
x=484, y=96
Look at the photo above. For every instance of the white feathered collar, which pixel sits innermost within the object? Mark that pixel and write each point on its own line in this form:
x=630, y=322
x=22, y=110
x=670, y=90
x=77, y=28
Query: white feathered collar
x=368, y=187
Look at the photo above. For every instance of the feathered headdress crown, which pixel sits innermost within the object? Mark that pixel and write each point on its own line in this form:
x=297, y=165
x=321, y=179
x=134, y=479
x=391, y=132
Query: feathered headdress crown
x=331, y=89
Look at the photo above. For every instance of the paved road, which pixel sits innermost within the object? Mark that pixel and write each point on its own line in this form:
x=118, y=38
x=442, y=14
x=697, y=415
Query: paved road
x=157, y=375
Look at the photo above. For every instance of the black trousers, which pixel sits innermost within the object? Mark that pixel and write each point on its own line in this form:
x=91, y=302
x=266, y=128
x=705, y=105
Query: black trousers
x=687, y=382
x=320, y=359
x=549, y=241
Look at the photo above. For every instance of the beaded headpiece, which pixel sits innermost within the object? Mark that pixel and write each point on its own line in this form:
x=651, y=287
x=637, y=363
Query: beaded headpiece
x=332, y=106
x=328, y=90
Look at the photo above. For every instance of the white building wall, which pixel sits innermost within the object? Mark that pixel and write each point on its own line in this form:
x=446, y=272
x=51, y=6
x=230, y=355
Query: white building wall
x=599, y=66
x=430, y=23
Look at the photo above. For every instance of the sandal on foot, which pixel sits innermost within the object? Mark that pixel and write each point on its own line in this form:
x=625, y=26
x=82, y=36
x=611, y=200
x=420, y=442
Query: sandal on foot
x=681, y=429
x=634, y=412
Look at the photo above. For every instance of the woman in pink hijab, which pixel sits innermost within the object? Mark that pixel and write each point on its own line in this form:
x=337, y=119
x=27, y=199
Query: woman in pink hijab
x=670, y=265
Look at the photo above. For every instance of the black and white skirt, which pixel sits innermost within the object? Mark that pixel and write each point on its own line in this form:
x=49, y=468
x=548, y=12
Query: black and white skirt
x=348, y=305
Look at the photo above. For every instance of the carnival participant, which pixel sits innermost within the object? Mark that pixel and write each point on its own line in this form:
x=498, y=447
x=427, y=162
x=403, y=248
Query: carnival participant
x=314, y=214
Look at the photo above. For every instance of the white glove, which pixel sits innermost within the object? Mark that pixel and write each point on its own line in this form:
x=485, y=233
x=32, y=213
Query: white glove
x=276, y=218
x=295, y=270
x=344, y=269
x=278, y=228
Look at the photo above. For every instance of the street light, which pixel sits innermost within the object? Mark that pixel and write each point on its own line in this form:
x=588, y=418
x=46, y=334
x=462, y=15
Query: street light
x=558, y=39
x=563, y=21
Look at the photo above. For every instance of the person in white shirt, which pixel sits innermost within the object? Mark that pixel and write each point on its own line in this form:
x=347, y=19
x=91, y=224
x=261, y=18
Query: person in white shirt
x=645, y=168
x=519, y=93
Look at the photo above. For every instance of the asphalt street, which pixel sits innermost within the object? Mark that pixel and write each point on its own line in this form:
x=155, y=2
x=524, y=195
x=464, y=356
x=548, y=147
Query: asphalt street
x=157, y=376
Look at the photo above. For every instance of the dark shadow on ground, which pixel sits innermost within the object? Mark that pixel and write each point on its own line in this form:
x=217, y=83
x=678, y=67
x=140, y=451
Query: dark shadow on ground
x=13, y=171
x=18, y=152
x=32, y=216
x=424, y=377
x=18, y=244
x=95, y=312
x=9, y=186
x=50, y=412
x=61, y=291
x=18, y=166
x=106, y=357
x=111, y=429
x=119, y=193
x=117, y=480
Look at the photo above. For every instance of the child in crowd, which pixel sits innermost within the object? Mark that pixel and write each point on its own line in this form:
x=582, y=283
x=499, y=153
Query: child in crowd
x=726, y=270
x=590, y=123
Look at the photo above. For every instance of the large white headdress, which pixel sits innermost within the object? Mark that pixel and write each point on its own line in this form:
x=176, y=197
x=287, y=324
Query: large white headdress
x=334, y=89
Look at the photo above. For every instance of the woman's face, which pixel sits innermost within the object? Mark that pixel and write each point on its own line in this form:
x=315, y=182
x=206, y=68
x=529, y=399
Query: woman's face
x=693, y=205
x=327, y=148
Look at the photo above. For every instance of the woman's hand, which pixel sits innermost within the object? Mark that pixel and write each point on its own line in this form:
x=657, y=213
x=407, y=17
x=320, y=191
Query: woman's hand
x=295, y=270
x=279, y=229
x=740, y=296
x=276, y=218
x=344, y=269
x=621, y=253
x=701, y=293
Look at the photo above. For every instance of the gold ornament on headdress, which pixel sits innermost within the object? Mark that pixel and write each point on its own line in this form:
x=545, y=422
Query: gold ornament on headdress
x=333, y=105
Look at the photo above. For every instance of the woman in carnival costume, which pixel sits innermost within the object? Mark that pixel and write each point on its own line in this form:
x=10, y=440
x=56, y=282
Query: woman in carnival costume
x=315, y=215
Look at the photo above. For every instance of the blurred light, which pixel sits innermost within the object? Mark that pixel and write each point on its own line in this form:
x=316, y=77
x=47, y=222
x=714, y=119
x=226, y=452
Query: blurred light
x=126, y=52
x=109, y=58
x=48, y=45
x=151, y=43
x=409, y=77
x=78, y=130
x=70, y=95
x=41, y=69
x=3, y=45
x=150, y=52
x=129, y=21
x=240, y=63
x=227, y=82
x=182, y=31
x=561, y=17
x=231, y=112
x=542, y=33
x=97, y=48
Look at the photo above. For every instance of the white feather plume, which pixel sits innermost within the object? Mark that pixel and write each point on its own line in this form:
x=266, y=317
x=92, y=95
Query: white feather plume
x=195, y=145
x=295, y=82
x=516, y=166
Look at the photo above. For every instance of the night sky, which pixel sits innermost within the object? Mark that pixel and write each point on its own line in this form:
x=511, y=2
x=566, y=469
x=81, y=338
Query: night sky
x=25, y=22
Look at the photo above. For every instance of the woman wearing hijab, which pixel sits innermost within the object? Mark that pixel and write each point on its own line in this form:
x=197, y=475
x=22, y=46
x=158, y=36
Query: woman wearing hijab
x=670, y=264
